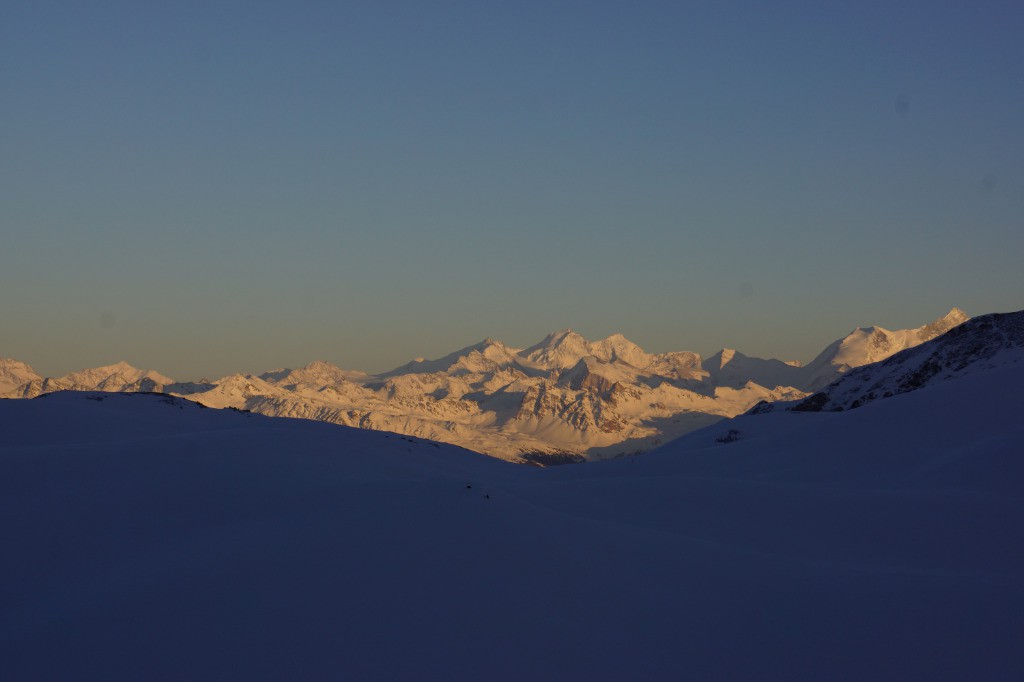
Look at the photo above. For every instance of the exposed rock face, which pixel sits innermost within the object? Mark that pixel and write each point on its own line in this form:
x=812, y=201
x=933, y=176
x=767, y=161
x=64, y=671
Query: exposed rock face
x=953, y=318
x=563, y=398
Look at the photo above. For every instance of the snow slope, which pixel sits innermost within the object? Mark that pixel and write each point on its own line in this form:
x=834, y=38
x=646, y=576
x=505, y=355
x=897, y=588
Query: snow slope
x=148, y=538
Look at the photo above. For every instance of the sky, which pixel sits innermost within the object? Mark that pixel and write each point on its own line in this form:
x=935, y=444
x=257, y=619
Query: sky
x=210, y=187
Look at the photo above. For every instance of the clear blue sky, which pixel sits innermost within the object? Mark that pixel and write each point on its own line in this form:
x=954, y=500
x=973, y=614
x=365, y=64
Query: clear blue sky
x=205, y=187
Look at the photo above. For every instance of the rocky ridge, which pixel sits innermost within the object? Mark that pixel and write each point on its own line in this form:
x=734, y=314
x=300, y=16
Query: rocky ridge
x=983, y=343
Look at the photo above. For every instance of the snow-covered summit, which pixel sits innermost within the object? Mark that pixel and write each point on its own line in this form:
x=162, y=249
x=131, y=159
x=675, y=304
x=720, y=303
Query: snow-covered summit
x=234, y=390
x=315, y=375
x=14, y=373
x=564, y=349
x=942, y=325
x=865, y=345
x=486, y=355
x=119, y=371
x=618, y=348
x=119, y=376
x=729, y=367
x=558, y=350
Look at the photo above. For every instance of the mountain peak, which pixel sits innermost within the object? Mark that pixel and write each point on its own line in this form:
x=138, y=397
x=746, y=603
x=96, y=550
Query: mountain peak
x=14, y=373
x=11, y=362
x=952, y=318
x=120, y=367
x=563, y=336
x=491, y=344
x=619, y=347
x=115, y=377
x=558, y=350
x=726, y=355
x=480, y=356
x=321, y=365
x=866, y=345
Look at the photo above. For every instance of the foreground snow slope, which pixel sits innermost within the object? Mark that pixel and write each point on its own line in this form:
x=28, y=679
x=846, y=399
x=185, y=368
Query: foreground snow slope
x=148, y=538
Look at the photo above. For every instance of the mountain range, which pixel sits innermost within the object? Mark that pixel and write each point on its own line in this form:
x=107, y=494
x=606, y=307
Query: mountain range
x=563, y=399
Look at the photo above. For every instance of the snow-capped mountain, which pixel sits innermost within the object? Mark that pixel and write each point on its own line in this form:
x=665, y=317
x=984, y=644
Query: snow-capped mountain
x=866, y=345
x=986, y=342
x=487, y=356
x=316, y=375
x=729, y=367
x=563, y=399
x=558, y=350
x=14, y=373
x=564, y=349
x=862, y=346
x=117, y=377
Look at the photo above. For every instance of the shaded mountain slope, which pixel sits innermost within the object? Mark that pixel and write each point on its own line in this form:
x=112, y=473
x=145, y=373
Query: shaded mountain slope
x=147, y=537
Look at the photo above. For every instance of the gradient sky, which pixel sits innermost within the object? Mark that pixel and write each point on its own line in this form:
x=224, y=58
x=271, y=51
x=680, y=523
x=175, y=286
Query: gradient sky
x=205, y=187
